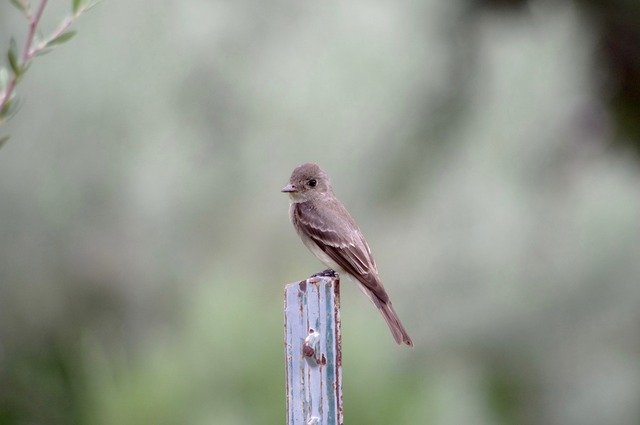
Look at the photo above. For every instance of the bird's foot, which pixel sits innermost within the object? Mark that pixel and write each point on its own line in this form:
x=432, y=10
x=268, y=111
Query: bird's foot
x=325, y=273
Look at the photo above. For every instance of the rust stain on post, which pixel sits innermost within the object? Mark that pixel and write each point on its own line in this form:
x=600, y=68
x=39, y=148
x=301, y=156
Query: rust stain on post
x=313, y=352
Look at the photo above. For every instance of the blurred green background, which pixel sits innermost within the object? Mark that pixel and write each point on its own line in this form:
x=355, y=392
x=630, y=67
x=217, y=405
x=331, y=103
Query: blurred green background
x=488, y=150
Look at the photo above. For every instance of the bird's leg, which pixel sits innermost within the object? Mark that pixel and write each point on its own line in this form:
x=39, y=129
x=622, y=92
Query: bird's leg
x=325, y=273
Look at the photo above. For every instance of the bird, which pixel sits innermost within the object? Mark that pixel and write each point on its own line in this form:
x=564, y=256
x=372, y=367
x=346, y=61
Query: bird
x=333, y=236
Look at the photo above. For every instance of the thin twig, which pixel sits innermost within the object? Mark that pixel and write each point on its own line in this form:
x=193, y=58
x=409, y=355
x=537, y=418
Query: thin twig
x=31, y=49
x=26, y=53
x=7, y=94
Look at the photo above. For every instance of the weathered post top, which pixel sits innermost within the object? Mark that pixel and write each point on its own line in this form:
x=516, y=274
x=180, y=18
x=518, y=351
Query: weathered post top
x=313, y=352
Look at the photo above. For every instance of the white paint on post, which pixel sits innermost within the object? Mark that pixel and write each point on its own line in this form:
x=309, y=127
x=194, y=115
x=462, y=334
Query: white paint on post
x=313, y=352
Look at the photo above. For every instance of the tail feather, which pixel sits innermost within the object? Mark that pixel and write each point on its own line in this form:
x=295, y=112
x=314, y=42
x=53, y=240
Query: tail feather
x=393, y=321
x=388, y=313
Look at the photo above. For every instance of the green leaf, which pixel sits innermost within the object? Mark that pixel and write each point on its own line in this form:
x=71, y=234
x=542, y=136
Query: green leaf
x=3, y=140
x=76, y=6
x=10, y=108
x=12, y=55
x=20, y=6
x=7, y=108
x=62, y=38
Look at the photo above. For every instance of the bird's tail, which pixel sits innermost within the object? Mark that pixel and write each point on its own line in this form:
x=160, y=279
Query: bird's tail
x=393, y=321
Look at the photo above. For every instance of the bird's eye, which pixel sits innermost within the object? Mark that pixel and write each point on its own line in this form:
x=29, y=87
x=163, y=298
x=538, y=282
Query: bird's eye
x=313, y=183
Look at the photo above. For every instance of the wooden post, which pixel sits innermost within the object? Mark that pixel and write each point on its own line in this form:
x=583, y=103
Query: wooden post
x=313, y=352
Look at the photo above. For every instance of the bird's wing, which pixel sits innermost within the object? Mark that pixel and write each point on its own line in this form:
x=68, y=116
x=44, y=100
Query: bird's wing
x=343, y=244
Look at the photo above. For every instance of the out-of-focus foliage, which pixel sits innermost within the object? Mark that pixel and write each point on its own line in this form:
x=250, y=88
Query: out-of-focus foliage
x=615, y=26
x=35, y=44
x=144, y=243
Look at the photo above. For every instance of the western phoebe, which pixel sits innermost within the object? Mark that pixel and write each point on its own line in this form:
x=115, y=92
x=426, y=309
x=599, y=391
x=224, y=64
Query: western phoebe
x=332, y=235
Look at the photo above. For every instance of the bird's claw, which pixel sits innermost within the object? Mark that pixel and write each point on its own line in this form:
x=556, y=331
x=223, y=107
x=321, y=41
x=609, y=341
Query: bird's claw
x=325, y=273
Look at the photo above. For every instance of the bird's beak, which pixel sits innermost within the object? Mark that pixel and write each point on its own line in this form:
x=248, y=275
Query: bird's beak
x=290, y=188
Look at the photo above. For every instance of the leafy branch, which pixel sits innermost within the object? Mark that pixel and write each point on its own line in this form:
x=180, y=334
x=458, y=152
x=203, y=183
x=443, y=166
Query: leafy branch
x=34, y=45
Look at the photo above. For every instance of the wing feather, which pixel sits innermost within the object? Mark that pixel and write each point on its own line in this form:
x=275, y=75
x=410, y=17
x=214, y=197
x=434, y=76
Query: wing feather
x=342, y=242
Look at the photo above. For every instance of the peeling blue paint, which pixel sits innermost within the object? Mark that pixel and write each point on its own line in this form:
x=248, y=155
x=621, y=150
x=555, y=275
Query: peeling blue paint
x=314, y=388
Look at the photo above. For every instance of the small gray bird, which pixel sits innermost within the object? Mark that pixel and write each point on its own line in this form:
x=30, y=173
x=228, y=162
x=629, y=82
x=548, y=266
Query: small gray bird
x=332, y=235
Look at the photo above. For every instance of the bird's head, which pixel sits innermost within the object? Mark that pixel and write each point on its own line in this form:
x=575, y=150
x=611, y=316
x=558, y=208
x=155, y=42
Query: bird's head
x=308, y=182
